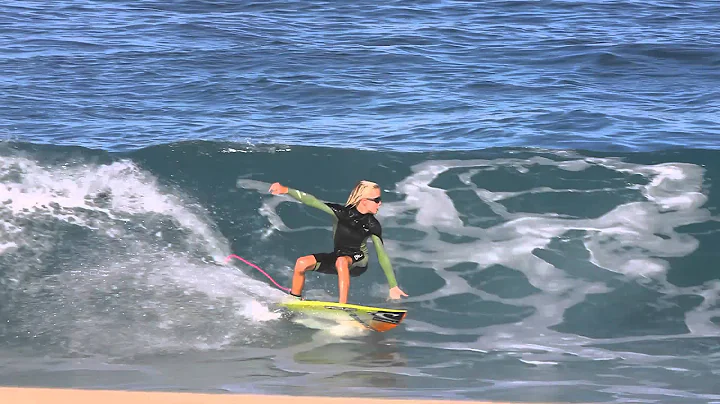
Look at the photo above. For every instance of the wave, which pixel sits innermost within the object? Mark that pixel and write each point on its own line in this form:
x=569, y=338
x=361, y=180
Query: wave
x=122, y=253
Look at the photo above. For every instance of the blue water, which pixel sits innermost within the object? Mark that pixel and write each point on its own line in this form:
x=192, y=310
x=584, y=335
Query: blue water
x=399, y=75
x=549, y=172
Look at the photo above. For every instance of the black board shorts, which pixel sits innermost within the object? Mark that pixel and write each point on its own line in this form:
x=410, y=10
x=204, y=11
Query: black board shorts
x=326, y=263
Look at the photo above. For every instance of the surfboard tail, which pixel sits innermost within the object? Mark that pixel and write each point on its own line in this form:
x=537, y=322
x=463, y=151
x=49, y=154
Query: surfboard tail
x=386, y=321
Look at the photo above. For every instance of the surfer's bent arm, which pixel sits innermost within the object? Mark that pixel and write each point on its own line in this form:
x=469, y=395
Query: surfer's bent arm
x=310, y=200
x=384, y=261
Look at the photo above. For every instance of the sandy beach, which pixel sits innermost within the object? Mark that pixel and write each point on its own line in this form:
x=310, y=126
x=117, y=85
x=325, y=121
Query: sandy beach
x=11, y=395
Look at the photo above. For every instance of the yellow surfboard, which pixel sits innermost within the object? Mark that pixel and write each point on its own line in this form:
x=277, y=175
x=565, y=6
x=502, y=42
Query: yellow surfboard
x=373, y=318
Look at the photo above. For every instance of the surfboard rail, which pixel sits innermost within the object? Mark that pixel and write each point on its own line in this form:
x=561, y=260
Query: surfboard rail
x=378, y=319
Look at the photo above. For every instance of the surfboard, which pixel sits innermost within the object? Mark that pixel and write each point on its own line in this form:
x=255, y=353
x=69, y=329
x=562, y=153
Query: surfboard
x=372, y=318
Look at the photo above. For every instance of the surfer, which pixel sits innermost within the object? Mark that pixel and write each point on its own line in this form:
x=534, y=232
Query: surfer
x=353, y=224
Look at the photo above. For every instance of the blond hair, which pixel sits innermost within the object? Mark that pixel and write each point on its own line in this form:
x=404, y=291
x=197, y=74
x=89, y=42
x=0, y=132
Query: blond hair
x=359, y=192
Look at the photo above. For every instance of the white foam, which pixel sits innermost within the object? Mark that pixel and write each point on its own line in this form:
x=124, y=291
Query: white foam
x=7, y=246
x=632, y=239
x=130, y=291
x=434, y=206
x=256, y=311
x=115, y=190
x=332, y=329
x=699, y=320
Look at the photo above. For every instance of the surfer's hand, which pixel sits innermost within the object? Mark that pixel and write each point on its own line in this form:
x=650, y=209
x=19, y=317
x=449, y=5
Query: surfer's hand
x=395, y=293
x=278, y=189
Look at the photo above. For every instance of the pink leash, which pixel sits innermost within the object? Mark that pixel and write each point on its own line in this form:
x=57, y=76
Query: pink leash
x=229, y=257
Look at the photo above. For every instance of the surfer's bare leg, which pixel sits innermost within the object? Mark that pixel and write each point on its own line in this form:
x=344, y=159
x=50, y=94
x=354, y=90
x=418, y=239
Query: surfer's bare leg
x=301, y=265
x=342, y=264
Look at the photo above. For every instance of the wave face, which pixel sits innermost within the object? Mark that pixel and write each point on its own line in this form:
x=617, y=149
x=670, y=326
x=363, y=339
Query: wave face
x=533, y=274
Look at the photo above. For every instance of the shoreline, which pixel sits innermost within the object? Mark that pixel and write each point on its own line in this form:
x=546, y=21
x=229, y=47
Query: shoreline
x=25, y=395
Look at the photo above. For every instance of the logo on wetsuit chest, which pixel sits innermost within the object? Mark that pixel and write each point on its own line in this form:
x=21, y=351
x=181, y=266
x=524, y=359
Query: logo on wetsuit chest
x=357, y=257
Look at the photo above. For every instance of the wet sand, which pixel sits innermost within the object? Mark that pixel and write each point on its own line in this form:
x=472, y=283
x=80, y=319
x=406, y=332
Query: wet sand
x=11, y=395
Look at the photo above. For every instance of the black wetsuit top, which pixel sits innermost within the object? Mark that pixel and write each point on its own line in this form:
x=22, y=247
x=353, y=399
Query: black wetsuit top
x=351, y=229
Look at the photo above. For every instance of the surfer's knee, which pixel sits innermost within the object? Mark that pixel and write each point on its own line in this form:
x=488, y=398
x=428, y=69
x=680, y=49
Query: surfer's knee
x=304, y=263
x=342, y=264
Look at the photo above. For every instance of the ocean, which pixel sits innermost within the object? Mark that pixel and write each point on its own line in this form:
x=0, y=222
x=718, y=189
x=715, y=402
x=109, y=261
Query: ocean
x=549, y=201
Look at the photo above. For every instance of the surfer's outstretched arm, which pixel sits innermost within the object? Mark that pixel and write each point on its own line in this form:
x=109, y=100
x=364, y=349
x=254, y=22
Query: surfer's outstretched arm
x=303, y=197
x=384, y=261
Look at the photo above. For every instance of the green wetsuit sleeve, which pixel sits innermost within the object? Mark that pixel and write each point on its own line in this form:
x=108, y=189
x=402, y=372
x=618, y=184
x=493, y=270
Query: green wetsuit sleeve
x=310, y=200
x=384, y=261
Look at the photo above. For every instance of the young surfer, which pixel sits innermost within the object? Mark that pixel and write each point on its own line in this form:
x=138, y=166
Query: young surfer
x=353, y=224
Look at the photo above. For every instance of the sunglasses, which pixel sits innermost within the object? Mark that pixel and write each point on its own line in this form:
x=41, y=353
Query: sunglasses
x=376, y=200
